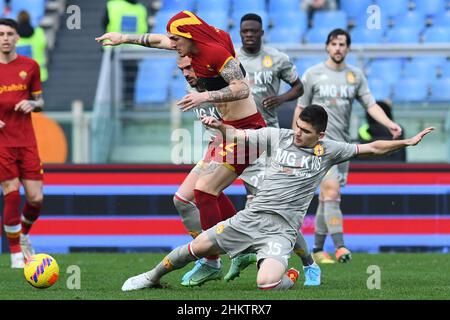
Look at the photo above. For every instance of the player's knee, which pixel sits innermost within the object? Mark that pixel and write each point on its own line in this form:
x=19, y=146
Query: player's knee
x=266, y=280
x=330, y=192
x=35, y=199
x=206, y=185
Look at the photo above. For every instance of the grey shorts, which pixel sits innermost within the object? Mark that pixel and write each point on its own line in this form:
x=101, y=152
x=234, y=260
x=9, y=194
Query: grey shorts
x=268, y=235
x=253, y=175
x=338, y=172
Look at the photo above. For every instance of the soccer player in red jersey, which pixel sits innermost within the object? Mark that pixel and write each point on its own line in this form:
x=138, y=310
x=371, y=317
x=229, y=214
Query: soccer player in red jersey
x=223, y=80
x=20, y=94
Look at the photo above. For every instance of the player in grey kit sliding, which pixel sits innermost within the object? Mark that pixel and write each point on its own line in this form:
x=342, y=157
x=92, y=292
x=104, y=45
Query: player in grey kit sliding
x=269, y=225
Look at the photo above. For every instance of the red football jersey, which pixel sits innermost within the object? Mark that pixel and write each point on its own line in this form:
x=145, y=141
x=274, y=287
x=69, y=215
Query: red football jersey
x=215, y=45
x=18, y=79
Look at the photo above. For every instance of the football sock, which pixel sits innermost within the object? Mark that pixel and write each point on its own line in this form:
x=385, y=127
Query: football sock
x=213, y=261
x=227, y=209
x=333, y=218
x=29, y=216
x=209, y=209
x=338, y=240
x=12, y=224
x=321, y=229
x=189, y=214
x=176, y=259
x=319, y=241
x=301, y=249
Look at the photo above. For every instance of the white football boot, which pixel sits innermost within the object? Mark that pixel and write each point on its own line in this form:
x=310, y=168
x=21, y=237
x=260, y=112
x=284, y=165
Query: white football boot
x=139, y=282
x=17, y=260
x=25, y=245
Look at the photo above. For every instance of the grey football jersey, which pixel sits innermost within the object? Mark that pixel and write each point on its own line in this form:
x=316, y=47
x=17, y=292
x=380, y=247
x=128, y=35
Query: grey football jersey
x=265, y=70
x=294, y=173
x=336, y=91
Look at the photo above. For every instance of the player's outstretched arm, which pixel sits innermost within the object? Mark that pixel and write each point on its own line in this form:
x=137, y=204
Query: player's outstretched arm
x=151, y=40
x=381, y=147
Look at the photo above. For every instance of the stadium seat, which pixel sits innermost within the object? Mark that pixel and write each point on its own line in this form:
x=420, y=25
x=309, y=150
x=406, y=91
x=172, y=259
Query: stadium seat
x=282, y=35
x=235, y=35
x=429, y=7
x=390, y=70
x=288, y=19
x=216, y=19
x=177, y=5
x=439, y=90
x=150, y=93
x=25, y=50
x=411, y=19
x=442, y=19
x=380, y=89
x=303, y=64
x=178, y=88
x=436, y=35
x=420, y=69
x=246, y=6
x=157, y=68
x=403, y=35
x=355, y=8
x=363, y=35
x=411, y=90
x=161, y=19
x=2, y=7
x=393, y=8
x=365, y=18
x=445, y=70
x=36, y=9
x=283, y=6
x=317, y=35
x=330, y=20
x=219, y=6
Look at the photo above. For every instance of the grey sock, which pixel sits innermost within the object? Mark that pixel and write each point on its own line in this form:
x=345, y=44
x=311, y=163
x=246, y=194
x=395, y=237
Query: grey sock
x=190, y=215
x=176, y=259
x=301, y=249
x=319, y=242
x=338, y=239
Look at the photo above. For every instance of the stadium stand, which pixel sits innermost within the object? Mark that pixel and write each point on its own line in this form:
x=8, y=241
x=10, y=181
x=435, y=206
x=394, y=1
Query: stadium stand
x=411, y=90
x=439, y=90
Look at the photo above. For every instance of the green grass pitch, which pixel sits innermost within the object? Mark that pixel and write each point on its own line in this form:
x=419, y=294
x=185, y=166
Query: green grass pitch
x=403, y=276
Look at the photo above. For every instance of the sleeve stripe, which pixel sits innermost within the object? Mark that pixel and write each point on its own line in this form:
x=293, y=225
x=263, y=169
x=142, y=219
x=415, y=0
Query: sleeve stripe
x=36, y=92
x=226, y=61
x=357, y=149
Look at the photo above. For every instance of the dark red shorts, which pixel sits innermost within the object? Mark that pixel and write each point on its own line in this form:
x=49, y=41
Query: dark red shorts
x=20, y=162
x=235, y=156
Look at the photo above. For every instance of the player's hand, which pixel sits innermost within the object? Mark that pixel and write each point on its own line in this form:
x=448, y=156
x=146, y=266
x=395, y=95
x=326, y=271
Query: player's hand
x=272, y=102
x=25, y=106
x=211, y=122
x=192, y=100
x=395, y=130
x=417, y=138
x=110, y=39
x=2, y=124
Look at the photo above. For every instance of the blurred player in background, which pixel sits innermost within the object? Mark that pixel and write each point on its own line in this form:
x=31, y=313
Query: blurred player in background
x=20, y=94
x=335, y=85
x=269, y=225
x=221, y=80
x=266, y=67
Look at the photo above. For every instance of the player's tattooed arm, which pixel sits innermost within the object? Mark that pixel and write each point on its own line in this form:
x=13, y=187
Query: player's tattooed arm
x=237, y=89
x=152, y=40
x=159, y=41
x=35, y=104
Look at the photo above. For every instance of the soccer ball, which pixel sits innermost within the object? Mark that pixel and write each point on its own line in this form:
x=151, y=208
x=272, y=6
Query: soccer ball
x=41, y=271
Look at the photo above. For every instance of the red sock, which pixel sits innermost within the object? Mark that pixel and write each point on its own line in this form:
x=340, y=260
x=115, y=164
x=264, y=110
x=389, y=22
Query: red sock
x=209, y=209
x=12, y=220
x=227, y=209
x=30, y=215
